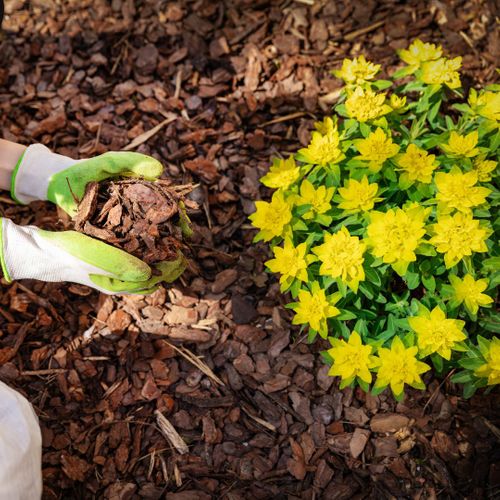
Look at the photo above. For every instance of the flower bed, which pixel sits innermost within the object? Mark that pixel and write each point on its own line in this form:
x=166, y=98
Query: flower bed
x=382, y=229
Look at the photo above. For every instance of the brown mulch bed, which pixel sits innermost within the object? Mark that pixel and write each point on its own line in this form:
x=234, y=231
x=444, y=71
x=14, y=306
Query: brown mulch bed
x=204, y=390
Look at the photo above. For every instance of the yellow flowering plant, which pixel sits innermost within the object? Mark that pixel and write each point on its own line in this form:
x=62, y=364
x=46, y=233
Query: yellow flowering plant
x=384, y=229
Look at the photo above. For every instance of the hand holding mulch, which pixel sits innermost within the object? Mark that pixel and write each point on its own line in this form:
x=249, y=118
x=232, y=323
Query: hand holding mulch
x=140, y=214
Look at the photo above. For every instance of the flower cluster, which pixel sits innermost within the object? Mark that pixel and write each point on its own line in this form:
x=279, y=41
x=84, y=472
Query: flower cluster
x=382, y=228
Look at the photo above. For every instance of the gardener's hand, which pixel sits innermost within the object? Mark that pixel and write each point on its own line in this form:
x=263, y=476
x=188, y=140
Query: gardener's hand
x=29, y=252
x=43, y=175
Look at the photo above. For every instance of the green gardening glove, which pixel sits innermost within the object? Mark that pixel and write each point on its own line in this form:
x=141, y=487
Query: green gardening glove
x=43, y=175
x=32, y=253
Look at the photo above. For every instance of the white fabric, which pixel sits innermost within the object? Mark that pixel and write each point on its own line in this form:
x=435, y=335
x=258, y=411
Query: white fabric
x=37, y=166
x=28, y=255
x=20, y=448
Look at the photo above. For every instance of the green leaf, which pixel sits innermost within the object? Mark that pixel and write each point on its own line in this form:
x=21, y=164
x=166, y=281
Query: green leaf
x=364, y=385
x=405, y=71
x=437, y=361
x=373, y=276
x=412, y=280
x=382, y=84
x=429, y=282
x=462, y=377
x=365, y=129
x=346, y=315
x=334, y=169
x=366, y=290
x=299, y=225
x=492, y=324
x=378, y=390
x=491, y=264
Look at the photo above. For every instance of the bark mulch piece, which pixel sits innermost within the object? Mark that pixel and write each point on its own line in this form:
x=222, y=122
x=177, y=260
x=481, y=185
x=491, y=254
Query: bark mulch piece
x=205, y=390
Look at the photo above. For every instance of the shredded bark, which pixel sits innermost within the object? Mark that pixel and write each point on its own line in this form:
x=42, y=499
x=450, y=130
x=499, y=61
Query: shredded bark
x=140, y=217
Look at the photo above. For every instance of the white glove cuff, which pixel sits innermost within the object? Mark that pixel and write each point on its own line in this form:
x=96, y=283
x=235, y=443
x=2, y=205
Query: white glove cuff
x=30, y=179
x=27, y=255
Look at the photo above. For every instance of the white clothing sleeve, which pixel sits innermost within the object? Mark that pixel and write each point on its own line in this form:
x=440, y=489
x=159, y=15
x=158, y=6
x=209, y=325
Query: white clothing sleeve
x=20, y=448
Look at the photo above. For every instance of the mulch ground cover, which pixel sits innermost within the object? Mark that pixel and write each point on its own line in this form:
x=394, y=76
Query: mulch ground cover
x=204, y=390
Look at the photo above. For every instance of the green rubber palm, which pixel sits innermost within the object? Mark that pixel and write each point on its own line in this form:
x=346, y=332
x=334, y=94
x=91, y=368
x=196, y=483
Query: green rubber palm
x=43, y=175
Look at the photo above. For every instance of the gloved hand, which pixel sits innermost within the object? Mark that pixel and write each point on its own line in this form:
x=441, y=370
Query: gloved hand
x=30, y=252
x=43, y=175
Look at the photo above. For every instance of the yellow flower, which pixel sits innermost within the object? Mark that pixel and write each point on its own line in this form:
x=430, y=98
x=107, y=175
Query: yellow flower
x=399, y=366
x=458, y=236
x=358, y=196
x=442, y=71
x=376, y=149
x=341, y=256
x=323, y=148
x=291, y=262
x=271, y=218
x=416, y=165
x=397, y=103
x=327, y=126
x=357, y=70
x=352, y=359
x=419, y=52
x=364, y=105
x=436, y=333
x=319, y=199
x=460, y=146
x=486, y=104
x=282, y=174
x=469, y=291
x=395, y=235
x=491, y=369
x=484, y=168
x=457, y=190
x=314, y=308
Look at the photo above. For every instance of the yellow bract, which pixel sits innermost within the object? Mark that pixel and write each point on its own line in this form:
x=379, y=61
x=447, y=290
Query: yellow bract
x=484, y=168
x=491, y=369
x=376, y=149
x=327, y=126
x=319, y=199
x=357, y=70
x=456, y=190
x=437, y=333
x=365, y=105
x=341, y=256
x=282, y=174
x=469, y=291
x=397, y=103
x=442, y=72
x=461, y=145
x=314, y=308
x=271, y=218
x=358, y=196
x=419, y=52
x=399, y=366
x=291, y=262
x=352, y=359
x=394, y=235
x=486, y=104
x=458, y=236
x=323, y=148
x=416, y=164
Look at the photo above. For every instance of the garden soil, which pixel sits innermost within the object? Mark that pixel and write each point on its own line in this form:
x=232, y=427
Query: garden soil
x=204, y=389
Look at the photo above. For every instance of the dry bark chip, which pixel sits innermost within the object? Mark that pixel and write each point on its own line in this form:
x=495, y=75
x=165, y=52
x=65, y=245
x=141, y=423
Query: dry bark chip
x=388, y=422
x=358, y=441
x=74, y=467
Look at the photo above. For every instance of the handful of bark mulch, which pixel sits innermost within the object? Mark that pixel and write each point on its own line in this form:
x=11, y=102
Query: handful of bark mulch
x=146, y=219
